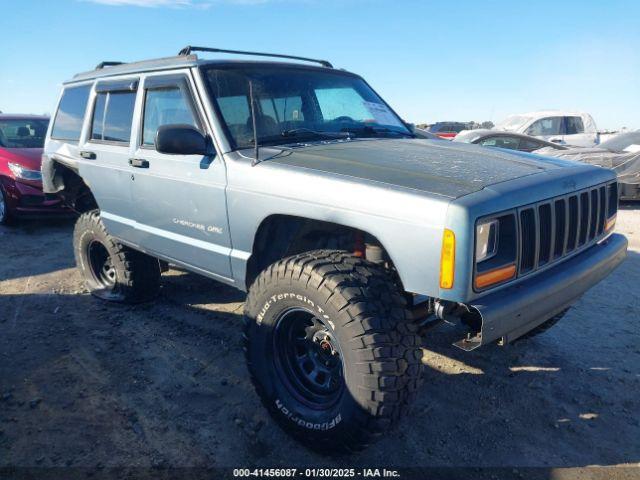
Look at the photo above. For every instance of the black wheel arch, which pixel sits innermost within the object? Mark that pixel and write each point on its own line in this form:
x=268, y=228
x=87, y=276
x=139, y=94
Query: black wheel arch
x=70, y=187
x=279, y=236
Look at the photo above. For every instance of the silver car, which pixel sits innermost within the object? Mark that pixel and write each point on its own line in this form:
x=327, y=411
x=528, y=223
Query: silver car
x=300, y=185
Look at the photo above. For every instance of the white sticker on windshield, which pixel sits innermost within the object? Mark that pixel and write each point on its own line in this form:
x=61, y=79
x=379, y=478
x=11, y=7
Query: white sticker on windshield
x=632, y=148
x=381, y=114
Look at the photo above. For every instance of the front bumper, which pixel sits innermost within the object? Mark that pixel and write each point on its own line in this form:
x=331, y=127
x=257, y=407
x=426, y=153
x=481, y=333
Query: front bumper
x=27, y=199
x=512, y=312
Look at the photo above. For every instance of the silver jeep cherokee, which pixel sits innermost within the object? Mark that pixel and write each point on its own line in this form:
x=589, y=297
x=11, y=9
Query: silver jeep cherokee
x=352, y=235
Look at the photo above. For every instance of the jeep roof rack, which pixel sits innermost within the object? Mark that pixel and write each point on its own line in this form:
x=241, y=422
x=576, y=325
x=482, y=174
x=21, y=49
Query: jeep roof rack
x=101, y=65
x=188, y=49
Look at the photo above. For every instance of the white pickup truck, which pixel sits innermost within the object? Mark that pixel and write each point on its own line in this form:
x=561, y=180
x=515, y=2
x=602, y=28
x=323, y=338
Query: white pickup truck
x=566, y=128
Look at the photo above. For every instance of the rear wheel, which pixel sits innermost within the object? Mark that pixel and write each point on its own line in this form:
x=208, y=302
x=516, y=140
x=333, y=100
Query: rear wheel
x=110, y=270
x=331, y=349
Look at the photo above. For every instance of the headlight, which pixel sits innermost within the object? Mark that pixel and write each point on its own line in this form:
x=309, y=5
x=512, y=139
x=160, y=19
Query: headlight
x=486, y=240
x=24, y=173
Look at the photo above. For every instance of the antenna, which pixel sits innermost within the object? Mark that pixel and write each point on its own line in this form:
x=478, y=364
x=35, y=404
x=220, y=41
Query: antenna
x=256, y=159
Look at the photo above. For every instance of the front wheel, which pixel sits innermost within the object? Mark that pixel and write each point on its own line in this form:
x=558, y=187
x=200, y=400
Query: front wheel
x=5, y=216
x=331, y=349
x=110, y=270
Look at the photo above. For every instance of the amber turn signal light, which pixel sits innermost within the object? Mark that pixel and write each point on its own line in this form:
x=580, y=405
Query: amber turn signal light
x=497, y=275
x=447, y=259
x=610, y=223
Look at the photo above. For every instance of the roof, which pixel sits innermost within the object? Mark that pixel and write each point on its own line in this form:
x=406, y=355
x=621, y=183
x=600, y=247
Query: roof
x=551, y=113
x=190, y=60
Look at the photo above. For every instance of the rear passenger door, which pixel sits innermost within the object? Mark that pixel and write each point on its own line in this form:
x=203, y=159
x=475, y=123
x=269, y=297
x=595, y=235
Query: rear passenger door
x=179, y=200
x=574, y=133
x=106, y=152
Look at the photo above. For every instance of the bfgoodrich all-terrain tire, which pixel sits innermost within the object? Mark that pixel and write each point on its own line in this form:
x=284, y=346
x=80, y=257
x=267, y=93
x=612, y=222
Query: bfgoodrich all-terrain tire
x=110, y=270
x=331, y=349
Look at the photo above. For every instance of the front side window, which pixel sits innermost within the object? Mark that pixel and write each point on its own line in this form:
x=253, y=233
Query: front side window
x=299, y=104
x=545, y=126
x=573, y=125
x=165, y=106
x=23, y=133
x=113, y=116
x=67, y=124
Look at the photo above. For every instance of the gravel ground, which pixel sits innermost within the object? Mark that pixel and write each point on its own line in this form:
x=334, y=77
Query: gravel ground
x=90, y=384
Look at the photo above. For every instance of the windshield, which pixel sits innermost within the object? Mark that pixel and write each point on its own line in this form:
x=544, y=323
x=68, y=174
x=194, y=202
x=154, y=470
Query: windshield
x=512, y=122
x=23, y=133
x=294, y=105
x=629, y=142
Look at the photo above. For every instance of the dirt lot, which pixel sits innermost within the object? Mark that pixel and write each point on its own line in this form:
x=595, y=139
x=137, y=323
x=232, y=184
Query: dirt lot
x=84, y=383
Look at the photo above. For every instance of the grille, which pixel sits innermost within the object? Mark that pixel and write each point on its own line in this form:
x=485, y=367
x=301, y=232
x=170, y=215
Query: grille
x=553, y=229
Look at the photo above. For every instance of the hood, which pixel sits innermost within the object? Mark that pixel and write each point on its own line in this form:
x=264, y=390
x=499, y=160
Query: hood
x=31, y=158
x=442, y=168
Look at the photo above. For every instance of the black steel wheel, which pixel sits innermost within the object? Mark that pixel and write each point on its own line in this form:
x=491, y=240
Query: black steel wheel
x=100, y=264
x=308, y=358
x=110, y=270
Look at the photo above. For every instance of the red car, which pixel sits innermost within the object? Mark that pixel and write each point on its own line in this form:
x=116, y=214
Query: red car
x=21, y=142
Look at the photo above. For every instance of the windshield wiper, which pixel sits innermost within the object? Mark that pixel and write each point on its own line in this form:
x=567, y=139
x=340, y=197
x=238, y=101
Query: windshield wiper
x=368, y=129
x=298, y=132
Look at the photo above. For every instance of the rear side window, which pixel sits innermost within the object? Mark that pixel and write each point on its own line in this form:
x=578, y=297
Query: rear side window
x=573, y=125
x=529, y=145
x=113, y=116
x=166, y=106
x=500, y=142
x=68, y=121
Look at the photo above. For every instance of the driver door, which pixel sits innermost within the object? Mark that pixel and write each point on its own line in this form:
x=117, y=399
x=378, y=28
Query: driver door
x=179, y=200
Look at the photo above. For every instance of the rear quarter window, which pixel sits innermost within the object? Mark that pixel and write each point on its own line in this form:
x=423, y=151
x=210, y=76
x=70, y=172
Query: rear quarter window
x=67, y=124
x=573, y=125
x=113, y=117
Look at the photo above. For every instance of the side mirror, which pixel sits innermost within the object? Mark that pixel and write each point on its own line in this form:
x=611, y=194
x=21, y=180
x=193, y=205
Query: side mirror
x=181, y=140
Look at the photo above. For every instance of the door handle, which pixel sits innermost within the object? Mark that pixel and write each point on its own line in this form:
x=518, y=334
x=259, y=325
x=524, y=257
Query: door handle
x=139, y=163
x=88, y=155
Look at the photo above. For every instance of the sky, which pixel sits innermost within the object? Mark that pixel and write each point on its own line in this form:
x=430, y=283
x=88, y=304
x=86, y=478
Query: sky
x=431, y=60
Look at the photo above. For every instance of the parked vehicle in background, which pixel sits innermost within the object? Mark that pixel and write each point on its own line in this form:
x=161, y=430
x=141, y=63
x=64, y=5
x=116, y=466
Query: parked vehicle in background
x=509, y=140
x=628, y=142
x=425, y=134
x=449, y=130
x=302, y=186
x=565, y=128
x=621, y=154
x=21, y=142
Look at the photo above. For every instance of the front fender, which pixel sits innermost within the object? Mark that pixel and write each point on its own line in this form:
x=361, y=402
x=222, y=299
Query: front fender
x=408, y=223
